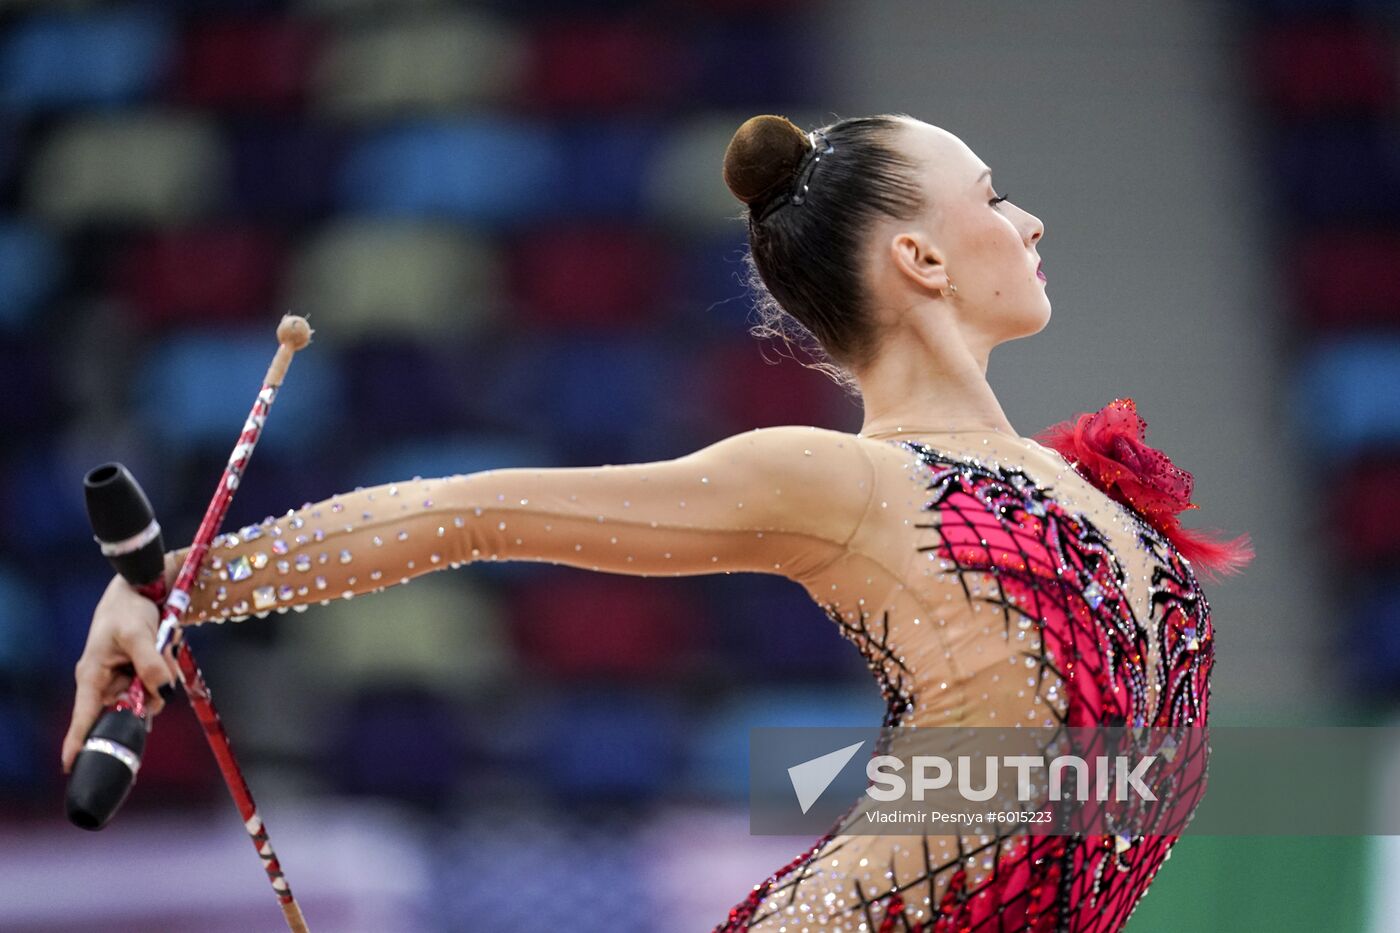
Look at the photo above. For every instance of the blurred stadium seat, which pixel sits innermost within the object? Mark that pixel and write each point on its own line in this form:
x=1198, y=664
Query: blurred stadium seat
x=591, y=277
x=140, y=168
x=717, y=761
x=488, y=171
x=567, y=625
x=282, y=170
x=603, y=66
x=398, y=742
x=101, y=59
x=608, y=744
x=31, y=266
x=421, y=62
x=771, y=628
x=1310, y=68
x=1339, y=171
x=247, y=63
x=445, y=633
x=367, y=278
x=200, y=276
x=196, y=391
x=23, y=630
x=1347, y=279
x=1347, y=397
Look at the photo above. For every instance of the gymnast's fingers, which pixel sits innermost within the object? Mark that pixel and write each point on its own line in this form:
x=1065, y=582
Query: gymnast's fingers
x=87, y=706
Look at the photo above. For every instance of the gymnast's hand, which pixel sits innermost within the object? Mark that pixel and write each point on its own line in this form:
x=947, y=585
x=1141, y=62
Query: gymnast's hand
x=122, y=638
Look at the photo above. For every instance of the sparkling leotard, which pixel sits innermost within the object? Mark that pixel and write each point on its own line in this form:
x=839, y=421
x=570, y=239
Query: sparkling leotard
x=986, y=582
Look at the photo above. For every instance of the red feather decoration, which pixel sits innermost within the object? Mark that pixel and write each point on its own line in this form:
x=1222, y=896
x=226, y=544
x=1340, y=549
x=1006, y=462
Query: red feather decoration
x=1107, y=448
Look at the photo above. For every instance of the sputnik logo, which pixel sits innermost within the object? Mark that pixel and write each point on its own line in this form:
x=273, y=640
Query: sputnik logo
x=811, y=778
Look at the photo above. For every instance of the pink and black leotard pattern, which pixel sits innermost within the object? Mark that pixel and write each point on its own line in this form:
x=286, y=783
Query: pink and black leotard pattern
x=1094, y=663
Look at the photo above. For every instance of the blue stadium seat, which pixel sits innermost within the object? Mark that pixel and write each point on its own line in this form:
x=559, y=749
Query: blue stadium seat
x=492, y=171
x=196, y=389
x=447, y=455
x=99, y=58
x=25, y=633
x=400, y=743
x=45, y=504
x=1343, y=172
x=605, y=166
x=1373, y=640
x=70, y=606
x=718, y=744
x=31, y=264
x=1347, y=397
x=283, y=170
x=608, y=745
x=1332, y=8
x=710, y=292
x=281, y=477
x=776, y=61
x=600, y=393
x=771, y=629
x=408, y=387
x=21, y=766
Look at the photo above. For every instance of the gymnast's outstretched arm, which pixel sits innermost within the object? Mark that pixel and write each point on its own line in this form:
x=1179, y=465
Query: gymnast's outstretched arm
x=782, y=500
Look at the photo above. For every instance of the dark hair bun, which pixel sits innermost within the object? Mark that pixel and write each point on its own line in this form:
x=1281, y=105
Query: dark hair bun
x=763, y=155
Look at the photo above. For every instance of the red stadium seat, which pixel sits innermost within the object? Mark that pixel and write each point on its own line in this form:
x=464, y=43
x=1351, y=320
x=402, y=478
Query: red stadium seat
x=177, y=764
x=590, y=276
x=210, y=274
x=751, y=392
x=1366, y=521
x=602, y=66
x=258, y=64
x=1307, y=69
x=582, y=625
x=1348, y=279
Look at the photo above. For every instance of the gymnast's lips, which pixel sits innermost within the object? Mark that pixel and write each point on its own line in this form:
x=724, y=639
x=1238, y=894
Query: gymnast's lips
x=1038, y=273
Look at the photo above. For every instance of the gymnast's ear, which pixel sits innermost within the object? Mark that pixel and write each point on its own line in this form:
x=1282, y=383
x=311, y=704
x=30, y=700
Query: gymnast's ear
x=919, y=262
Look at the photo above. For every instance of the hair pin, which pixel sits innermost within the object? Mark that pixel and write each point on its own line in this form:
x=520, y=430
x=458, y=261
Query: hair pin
x=797, y=193
x=804, y=179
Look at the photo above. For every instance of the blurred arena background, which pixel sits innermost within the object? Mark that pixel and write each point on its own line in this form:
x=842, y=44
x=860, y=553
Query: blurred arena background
x=506, y=222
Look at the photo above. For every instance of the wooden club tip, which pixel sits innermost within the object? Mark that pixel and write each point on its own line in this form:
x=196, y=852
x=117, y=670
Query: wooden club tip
x=294, y=332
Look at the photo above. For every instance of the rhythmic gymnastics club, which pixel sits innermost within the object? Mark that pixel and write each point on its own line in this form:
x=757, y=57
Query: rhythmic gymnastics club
x=125, y=527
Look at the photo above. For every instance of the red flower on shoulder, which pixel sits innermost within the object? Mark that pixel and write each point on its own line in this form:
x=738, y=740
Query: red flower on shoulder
x=1107, y=448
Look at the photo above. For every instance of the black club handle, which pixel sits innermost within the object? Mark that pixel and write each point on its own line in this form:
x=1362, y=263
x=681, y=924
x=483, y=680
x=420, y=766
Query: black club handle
x=125, y=527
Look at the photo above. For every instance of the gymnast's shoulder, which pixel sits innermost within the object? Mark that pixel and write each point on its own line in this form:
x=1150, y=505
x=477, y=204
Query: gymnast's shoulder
x=803, y=474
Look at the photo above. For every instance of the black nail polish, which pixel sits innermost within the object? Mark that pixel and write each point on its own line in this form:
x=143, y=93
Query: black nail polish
x=167, y=691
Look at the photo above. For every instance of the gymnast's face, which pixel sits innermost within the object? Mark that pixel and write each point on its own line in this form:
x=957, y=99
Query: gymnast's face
x=986, y=247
